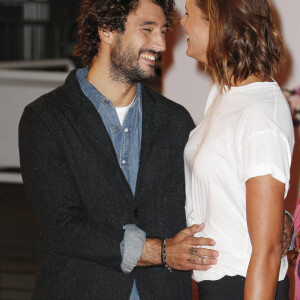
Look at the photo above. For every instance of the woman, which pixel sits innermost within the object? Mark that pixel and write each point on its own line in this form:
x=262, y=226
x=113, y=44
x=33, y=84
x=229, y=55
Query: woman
x=237, y=160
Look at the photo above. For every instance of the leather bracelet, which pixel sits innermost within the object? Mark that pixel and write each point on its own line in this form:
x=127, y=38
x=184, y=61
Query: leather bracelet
x=163, y=255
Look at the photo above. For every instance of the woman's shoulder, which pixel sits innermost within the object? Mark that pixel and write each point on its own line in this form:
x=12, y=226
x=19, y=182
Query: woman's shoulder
x=258, y=94
x=262, y=102
x=263, y=108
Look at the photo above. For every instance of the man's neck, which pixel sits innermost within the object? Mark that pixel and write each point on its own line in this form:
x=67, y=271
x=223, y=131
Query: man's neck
x=119, y=93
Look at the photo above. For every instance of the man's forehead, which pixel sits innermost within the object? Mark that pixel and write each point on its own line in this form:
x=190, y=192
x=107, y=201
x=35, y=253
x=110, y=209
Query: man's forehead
x=148, y=13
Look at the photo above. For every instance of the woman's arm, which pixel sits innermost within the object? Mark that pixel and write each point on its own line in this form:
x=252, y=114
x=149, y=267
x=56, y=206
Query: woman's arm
x=264, y=197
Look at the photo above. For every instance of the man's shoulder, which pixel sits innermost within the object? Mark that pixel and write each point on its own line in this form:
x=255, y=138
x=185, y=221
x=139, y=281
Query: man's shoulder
x=48, y=102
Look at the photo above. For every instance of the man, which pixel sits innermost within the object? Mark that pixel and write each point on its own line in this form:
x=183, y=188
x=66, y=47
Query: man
x=102, y=163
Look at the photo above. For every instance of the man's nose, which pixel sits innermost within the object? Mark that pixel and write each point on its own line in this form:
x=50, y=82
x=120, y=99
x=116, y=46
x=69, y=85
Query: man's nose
x=159, y=42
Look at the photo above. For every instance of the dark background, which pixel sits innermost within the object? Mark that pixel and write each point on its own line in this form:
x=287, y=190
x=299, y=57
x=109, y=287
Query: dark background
x=50, y=25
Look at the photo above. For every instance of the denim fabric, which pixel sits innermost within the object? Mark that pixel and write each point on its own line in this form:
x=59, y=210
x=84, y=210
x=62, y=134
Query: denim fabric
x=134, y=293
x=132, y=247
x=126, y=140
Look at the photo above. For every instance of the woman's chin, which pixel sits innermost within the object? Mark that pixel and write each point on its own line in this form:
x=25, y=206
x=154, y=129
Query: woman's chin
x=189, y=54
x=196, y=57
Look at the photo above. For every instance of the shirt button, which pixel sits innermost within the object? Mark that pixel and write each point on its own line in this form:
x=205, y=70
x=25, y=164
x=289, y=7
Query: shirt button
x=106, y=101
x=117, y=129
x=135, y=212
x=123, y=161
x=126, y=130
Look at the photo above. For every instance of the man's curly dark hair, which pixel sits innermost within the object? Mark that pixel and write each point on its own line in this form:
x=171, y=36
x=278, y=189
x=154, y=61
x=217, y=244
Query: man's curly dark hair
x=111, y=15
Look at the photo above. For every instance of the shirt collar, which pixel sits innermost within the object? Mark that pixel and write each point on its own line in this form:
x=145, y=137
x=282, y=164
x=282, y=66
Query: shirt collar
x=94, y=95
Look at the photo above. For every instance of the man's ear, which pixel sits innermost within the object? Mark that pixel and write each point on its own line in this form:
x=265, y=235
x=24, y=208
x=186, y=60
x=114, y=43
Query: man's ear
x=106, y=35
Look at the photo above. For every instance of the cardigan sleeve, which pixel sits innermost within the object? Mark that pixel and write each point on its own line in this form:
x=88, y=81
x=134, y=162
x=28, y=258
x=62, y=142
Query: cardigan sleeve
x=65, y=226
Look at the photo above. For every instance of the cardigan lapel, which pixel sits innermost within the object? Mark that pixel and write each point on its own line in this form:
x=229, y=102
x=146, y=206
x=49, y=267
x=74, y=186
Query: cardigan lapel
x=153, y=118
x=89, y=119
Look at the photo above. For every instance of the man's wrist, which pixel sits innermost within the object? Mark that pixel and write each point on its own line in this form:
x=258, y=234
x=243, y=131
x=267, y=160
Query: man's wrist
x=164, y=256
x=151, y=253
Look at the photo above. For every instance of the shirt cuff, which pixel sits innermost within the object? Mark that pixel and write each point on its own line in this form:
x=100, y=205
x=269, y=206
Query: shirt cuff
x=131, y=247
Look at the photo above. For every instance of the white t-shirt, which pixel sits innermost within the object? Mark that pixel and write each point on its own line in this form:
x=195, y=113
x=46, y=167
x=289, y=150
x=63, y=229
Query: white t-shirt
x=122, y=111
x=246, y=132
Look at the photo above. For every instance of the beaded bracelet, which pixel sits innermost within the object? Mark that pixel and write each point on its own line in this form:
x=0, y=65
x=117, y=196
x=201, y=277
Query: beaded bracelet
x=163, y=255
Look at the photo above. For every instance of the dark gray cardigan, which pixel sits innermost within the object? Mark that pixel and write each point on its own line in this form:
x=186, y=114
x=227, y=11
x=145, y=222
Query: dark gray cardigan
x=82, y=200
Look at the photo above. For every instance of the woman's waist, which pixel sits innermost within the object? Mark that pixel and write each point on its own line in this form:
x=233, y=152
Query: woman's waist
x=234, y=266
x=229, y=237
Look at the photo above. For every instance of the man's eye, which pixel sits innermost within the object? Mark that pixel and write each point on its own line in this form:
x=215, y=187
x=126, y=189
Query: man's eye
x=147, y=29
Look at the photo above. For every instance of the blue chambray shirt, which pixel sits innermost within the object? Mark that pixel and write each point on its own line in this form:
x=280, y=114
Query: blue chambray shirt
x=126, y=139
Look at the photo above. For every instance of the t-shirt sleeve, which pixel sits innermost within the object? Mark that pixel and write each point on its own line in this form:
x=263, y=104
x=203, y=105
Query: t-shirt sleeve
x=266, y=153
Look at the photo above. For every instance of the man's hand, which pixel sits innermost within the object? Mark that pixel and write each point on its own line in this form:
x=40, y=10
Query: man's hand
x=288, y=229
x=183, y=252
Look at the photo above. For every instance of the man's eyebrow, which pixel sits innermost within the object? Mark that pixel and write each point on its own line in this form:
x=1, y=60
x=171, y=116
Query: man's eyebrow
x=151, y=23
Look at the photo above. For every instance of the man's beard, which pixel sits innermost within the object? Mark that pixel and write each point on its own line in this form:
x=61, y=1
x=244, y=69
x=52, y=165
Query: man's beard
x=124, y=65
